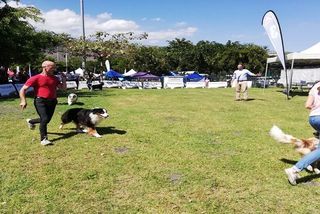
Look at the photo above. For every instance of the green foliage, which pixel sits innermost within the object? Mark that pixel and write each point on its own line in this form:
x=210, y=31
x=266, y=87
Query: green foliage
x=103, y=45
x=20, y=43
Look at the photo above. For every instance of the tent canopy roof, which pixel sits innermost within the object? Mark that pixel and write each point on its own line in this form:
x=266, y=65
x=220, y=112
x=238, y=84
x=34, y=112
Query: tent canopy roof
x=144, y=75
x=113, y=74
x=129, y=73
x=194, y=77
x=312, y=53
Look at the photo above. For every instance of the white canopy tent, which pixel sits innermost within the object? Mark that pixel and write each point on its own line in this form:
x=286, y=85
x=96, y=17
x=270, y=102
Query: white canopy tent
x=300, y=75
x=129, y=73
x=79, y=71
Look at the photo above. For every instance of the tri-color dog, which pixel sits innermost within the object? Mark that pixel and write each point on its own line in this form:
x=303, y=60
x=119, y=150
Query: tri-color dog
x=84, y=118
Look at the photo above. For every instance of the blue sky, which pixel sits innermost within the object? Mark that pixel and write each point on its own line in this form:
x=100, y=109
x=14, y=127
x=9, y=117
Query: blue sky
x=194, y=20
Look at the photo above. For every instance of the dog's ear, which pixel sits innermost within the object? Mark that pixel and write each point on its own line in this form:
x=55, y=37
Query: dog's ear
x=308, y=143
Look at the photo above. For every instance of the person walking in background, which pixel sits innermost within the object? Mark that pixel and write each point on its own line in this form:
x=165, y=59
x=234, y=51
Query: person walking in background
x=313, y=104
x=45, y=88
x=241, y=77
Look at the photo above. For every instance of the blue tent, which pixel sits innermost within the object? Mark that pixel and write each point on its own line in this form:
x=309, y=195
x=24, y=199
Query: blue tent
x=195, y=77
x=113, y=74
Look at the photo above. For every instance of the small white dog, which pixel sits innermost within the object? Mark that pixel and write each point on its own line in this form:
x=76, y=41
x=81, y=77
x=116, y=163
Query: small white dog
x=72, y=99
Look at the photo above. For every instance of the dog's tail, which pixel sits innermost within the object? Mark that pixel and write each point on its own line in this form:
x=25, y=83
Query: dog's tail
x=277, y=134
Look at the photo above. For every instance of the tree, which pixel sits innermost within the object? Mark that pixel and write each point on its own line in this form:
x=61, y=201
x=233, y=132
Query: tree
x=103, y=45
x=20, y=43
x=181, y=55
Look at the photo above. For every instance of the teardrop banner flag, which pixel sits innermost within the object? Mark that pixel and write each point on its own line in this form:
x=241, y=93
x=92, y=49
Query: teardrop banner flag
x=107, y=65
x=271, y=25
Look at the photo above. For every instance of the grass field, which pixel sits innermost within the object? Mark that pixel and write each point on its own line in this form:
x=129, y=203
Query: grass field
x=162, y=151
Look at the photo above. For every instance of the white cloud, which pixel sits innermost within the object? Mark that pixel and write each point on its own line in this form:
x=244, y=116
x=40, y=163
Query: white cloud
x=13, y=4
x=68, y=21
x=172, y=33
x=181, y=24
x=156, y=19
x=104, y=16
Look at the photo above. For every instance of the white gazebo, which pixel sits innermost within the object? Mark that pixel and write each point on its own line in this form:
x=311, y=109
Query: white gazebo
x=300, y=75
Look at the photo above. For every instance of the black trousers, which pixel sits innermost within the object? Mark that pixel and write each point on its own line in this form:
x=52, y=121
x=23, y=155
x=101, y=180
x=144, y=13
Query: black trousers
x=45, y=109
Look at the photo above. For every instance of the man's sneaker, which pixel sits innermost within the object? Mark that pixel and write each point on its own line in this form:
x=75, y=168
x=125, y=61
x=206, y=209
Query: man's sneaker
x=292, y=176
x=30, y=125
x=46, y=142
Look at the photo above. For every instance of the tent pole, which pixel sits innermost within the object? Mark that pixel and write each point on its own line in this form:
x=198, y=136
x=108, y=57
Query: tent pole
x=291, y=73
x=287, y=91
x=265, y=77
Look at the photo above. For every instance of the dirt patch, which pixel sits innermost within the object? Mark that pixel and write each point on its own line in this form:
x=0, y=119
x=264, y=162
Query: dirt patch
x=175, y=178
x=121, y=150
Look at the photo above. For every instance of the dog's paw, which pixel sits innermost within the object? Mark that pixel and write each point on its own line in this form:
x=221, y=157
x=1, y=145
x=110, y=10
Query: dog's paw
x=81, y=131
x=61, y=126
x=97, y=135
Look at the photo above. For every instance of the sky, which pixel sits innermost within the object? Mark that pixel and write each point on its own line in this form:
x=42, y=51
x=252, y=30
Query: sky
x=195, y=20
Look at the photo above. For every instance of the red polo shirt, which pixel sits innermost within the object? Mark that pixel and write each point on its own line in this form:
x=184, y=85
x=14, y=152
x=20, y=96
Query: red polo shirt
x=44, y=86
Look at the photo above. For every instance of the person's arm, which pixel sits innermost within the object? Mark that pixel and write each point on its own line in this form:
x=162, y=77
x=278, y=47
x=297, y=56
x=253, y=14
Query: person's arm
x=251, y=74
x=233, y=76
x=309, y=103
x=22, y=94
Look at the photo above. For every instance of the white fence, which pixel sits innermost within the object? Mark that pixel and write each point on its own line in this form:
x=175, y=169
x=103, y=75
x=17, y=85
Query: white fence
x=173, y=82
x=217, y=85
x=201, y=84
x=12, y=89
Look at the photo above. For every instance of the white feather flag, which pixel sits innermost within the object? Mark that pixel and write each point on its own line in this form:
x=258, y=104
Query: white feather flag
x=107, y=65
x=271, y=25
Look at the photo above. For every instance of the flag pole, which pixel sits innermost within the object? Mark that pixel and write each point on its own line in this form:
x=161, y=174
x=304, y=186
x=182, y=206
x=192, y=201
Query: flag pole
x=83, y=33
x=30, y=74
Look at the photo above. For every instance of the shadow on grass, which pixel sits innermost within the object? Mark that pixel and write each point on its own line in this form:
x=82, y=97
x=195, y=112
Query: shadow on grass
x=252, y=99
x=75, y=104
x=62, y=135
x=249, y=99
x=8, y=98
x=307, y=180
x=110, y=130
x=100, y=130
x=294, y=93
x=292, y=162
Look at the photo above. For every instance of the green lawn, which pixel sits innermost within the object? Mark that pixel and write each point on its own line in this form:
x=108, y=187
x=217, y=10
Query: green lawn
x=162, y=151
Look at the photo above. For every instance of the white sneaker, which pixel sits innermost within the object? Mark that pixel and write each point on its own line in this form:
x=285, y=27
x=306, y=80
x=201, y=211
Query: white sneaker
x=310, y=168
x=30, y=125
x=292, y=176
x=46, y=142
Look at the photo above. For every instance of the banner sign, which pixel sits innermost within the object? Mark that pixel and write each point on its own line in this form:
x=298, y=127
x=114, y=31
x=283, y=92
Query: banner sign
x=8, y=90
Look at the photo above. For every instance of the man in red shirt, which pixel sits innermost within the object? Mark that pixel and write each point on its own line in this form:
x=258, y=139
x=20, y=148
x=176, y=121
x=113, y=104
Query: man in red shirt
x=45, y=87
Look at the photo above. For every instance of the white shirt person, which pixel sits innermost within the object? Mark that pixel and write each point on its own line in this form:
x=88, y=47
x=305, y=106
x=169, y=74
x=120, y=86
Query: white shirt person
x=241, y=77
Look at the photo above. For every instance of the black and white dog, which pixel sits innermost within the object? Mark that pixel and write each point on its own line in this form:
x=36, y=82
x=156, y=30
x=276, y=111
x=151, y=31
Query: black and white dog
x=84, y=118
